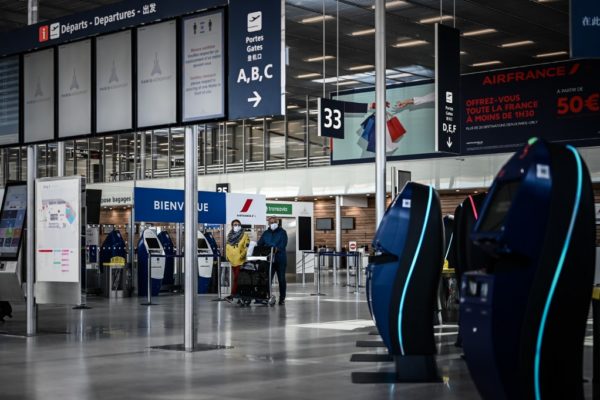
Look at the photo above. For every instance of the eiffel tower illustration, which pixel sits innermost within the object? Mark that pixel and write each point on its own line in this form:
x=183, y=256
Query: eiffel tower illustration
x=113, y=74
x=156, y=68
x=74, y=83
x=38, y=89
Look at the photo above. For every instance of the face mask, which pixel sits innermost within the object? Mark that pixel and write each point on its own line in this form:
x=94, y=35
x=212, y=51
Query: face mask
x=237, y=228
x=273, y=226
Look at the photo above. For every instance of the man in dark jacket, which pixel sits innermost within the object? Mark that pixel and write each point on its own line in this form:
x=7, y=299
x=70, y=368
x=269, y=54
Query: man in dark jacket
x=277, y=237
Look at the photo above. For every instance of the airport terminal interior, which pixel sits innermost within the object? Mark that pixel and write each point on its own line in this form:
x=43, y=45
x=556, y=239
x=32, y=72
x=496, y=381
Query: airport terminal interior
x=396, y=199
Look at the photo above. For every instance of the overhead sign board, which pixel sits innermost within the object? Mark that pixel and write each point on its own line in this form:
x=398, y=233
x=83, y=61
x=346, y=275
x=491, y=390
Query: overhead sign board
x=157, y=74
x=447, y=89
x=256, y=58
x=164, y=205
x=105, y=19
x=503, y=109
x=38, y=96
x=113, y=82
x=203, y=67
x=585, y=28
x=75, y=89
x=332, y=114
x=250, y=209
x=10, y=103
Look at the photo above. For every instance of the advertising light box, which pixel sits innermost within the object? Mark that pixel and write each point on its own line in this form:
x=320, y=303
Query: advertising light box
x=38, y=96
x=74, y=89
x=157, y=74
x=9, y=100
x=203, y=94
x=113, y=82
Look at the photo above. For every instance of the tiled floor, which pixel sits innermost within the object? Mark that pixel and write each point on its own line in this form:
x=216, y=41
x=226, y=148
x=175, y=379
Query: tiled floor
x=107, y=352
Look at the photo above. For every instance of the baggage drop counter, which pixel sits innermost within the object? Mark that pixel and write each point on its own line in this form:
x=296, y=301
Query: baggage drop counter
x=523, y=318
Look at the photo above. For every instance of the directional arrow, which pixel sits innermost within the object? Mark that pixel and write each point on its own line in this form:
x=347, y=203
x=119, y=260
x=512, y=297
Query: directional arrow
x=449, y=142
x=256, y=99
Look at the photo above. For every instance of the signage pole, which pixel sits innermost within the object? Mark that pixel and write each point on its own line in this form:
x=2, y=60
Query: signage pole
x=191, y=242
x=32, y=17
x=380, y=122
x=60, y=159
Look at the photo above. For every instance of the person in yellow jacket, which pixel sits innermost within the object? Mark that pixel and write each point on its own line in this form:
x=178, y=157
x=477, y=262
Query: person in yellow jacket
x=235, y=251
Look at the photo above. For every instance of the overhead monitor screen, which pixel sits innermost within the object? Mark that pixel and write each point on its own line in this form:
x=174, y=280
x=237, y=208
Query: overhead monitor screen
x=38, y=96
x=12, y=220
x=75, y=89
x=493, y=219
x=152, y=243
x=113, y=82
x=9, y=100
x=157, y=74
x=324, y=224
x=347, y=223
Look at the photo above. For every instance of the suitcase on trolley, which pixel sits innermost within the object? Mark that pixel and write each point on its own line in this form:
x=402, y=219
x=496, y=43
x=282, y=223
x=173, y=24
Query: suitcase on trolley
x=254, y=279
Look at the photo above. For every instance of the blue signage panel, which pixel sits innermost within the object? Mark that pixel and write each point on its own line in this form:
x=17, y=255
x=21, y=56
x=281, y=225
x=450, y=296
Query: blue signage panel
x=164, y=205
x=256, y=64
x=109, y=18
x=585, y=28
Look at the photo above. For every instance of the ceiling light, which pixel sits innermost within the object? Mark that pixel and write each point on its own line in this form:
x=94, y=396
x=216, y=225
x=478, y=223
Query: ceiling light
x=479, y=32
x=309, y=75
x=410, y=43
x=401, y=75
x=486, y=63
x=517, y=44
x=346, y=83
x=292, y=107
x=363, y=32
x=318, y=18
x=552, y=54
x=462, y=53
x=394, y=4
x=361, y=67
x=435, y=19
x=320, y=58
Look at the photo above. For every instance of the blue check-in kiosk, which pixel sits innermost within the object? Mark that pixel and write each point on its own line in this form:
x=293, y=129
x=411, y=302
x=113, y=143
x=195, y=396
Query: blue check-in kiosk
x=523, y=321
x=151, y=256
x=404, y=279
x=169, y=248
x=207, y=250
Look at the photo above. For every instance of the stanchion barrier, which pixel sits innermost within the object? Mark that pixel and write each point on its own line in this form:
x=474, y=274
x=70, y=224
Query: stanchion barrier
x=596, y=340
x=149, y=273
x=319, y=255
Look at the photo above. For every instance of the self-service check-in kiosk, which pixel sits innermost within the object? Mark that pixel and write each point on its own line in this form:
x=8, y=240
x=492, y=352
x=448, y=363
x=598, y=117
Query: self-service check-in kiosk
x=113, y=260
x=207, y=248
x=167, y=244
x=151, y=256
x=403, y=281
x=523, y=321
x=12, y=221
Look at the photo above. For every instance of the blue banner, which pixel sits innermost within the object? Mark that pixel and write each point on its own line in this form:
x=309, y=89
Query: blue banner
x=585, y=28
x=256, y=67
x=165, y=205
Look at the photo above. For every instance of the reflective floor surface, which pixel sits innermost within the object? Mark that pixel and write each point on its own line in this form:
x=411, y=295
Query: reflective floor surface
x=298, y=351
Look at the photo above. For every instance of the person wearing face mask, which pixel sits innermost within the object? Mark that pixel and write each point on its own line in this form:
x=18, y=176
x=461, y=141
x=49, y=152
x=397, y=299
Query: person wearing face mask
x=277, y=237
x=235, y=251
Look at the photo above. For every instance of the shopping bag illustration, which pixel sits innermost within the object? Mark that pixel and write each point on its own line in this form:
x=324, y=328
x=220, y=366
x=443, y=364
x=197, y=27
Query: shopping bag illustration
x=395, y=128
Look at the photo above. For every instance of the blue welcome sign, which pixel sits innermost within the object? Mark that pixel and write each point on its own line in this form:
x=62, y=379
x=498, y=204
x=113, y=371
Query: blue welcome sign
x=165, y=205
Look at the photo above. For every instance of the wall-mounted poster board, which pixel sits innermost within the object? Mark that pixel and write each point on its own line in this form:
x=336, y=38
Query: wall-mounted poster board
x=113, y=82
x=157, y=74
x=58, y=229
x=38, y=96
x=9, y=100
x=75, y=89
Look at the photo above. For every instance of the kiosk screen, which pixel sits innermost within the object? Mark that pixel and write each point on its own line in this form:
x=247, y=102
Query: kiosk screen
x=12, y=220
x=202, y=245
x=152, y=243
x=499, y=206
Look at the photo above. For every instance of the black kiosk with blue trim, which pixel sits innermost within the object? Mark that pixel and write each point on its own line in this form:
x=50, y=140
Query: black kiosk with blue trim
x=523, y=321
x=402, y=284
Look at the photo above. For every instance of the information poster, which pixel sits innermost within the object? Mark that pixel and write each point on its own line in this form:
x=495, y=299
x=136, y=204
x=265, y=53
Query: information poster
x=559, y=102
x=157, y=74
x=74, y=89
x=9, y=100
x=38, y=96
x=203, y=67
x=113, y=82
x=58, y=229
x=410, y=127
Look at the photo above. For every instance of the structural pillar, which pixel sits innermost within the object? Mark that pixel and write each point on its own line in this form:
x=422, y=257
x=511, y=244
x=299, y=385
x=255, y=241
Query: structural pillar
x=380, y=120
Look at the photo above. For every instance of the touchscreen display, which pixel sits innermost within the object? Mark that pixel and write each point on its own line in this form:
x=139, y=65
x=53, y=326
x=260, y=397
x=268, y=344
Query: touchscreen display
x=152, y=243
x=202, y=245
x=12, y=221
x=493, y=219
